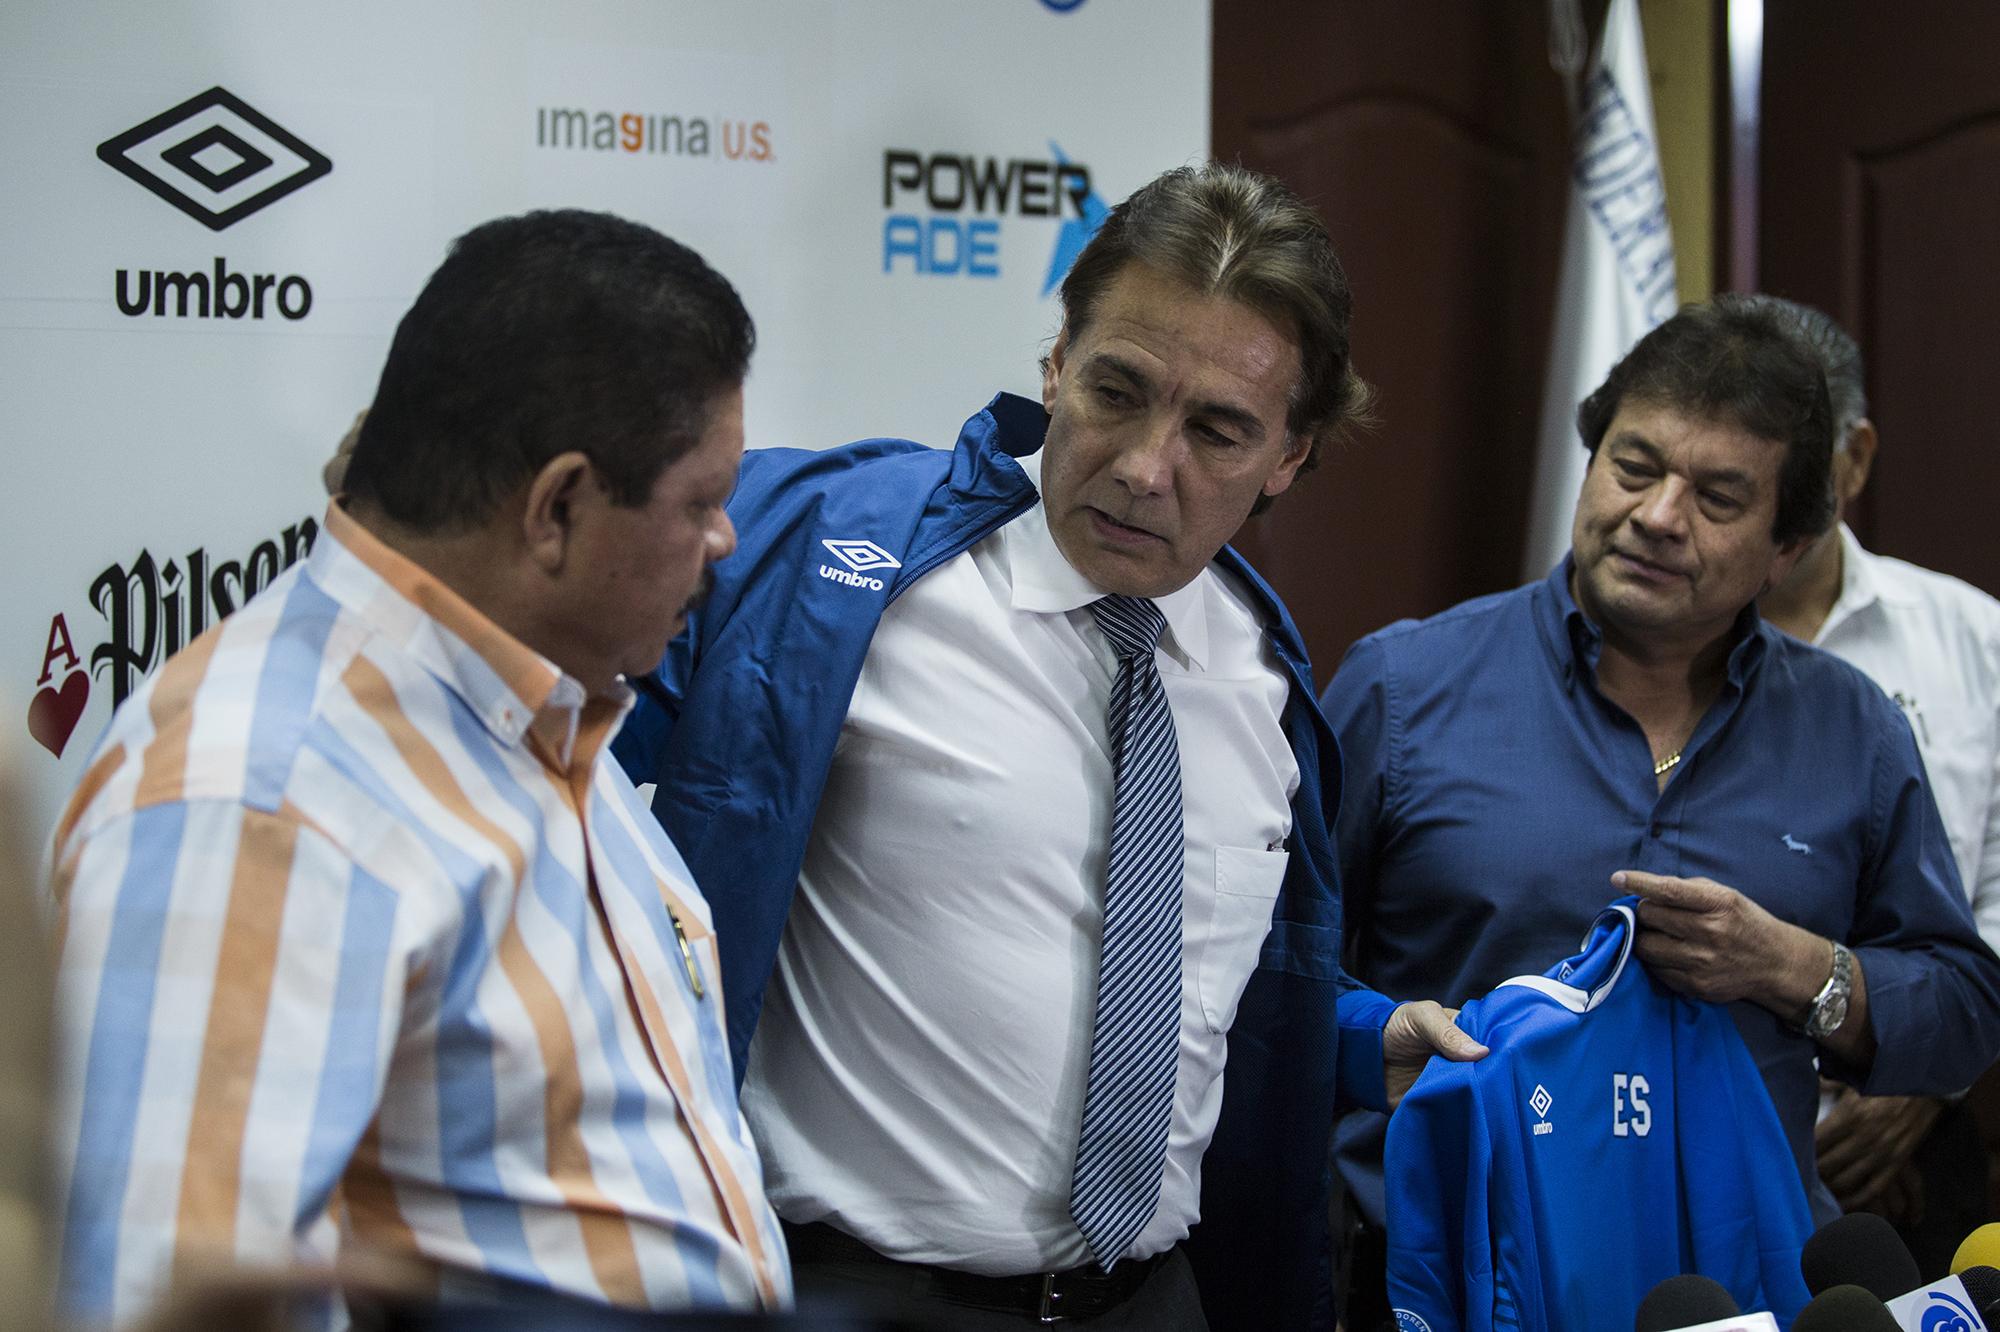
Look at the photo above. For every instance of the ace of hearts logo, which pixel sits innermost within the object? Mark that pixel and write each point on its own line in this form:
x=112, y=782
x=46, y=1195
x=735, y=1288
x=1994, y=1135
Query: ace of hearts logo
x=151, y=610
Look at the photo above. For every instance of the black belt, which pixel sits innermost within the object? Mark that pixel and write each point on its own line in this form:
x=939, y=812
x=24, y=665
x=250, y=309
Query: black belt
x=1052, y=1297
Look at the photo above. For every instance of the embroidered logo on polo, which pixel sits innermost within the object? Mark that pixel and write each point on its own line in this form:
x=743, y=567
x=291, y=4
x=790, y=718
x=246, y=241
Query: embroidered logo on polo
x=216, y=158
x=860, y=557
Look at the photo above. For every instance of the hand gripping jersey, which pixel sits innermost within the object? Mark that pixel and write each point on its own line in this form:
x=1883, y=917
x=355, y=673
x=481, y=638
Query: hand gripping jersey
x=1617, y=1135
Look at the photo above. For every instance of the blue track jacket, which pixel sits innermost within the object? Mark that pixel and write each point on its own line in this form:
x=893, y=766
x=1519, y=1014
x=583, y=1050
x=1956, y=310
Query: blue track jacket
x=738, y=728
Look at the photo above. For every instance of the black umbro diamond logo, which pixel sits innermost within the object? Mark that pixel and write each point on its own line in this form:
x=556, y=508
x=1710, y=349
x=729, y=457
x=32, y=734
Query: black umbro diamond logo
x=216, y=158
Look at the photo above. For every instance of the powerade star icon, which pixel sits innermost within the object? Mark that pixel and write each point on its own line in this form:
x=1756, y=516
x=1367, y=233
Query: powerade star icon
x=1075, y=233
x=216, y=158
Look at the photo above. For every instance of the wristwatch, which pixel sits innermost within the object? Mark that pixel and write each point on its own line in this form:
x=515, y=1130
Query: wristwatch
x=1829, y=1007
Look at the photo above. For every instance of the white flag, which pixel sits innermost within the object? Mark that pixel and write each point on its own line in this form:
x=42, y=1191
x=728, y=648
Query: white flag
x=1617, y=268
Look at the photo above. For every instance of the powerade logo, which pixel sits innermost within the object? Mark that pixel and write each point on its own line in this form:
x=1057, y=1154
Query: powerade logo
x=953, y=214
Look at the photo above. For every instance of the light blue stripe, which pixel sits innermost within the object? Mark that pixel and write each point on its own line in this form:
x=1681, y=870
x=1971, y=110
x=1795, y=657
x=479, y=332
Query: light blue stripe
x=564, y=897
x=114, y=1070
x=347, y=1086
x=285, y=689
x=468, y=1098
x=634, y=877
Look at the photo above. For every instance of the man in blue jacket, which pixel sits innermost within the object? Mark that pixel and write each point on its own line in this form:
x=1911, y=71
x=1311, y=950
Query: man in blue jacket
x=1007, y=780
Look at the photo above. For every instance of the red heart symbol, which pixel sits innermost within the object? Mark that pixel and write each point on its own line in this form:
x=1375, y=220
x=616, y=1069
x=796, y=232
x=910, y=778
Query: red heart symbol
x=54, y=713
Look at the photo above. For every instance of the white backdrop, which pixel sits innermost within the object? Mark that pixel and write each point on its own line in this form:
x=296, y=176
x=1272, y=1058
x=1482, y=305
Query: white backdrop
x=890, y=184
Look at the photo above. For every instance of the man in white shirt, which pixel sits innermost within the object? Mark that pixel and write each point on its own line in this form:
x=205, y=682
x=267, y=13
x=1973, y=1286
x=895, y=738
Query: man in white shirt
x=1018, y=776
x=1933, y=643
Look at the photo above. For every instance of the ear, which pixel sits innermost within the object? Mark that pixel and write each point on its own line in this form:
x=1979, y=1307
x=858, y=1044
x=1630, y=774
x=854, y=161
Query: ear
x=1786, y=561
x=551, y=510
x=1052, y=369
x=1853, y=463
x=1297, y=449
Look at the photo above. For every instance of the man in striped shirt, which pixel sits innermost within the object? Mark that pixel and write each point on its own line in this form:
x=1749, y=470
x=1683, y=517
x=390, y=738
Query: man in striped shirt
x=364, y=941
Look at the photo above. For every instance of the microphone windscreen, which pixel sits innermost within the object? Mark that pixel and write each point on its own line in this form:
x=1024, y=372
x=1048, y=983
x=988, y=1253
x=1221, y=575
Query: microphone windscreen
x=1982, y=1284
x=1859, y=1249
x=1980, y=1249
x=1846, y=1309
x=1683, y=1301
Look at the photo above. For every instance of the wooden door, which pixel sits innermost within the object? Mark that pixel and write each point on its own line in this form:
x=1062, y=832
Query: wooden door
x=1432, y=137
x=1880, y=203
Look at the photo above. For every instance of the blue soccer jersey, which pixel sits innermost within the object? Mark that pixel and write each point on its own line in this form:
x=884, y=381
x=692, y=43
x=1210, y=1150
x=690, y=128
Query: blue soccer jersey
x=1617, y=1135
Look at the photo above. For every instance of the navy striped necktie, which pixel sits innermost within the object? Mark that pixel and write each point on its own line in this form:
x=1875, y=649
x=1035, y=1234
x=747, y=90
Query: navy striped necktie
x=1134, y=1044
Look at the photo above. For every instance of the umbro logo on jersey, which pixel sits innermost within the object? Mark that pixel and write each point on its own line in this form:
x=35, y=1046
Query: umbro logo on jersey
x=860, y=557
x=1540, y=1101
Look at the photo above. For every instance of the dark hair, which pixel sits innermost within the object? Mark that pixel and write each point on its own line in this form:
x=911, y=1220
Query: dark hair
x=1741, y=361
x=1226, y=231
x=539, y=334
x=1839, y=361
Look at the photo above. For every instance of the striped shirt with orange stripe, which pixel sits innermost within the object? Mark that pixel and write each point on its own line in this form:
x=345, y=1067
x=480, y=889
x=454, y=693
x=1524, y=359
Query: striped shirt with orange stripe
x=365, y=941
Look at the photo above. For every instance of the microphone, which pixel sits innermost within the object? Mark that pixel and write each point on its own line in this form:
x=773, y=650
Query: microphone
x=1859, y=1249
x=1982, y=1283
x=1980, y=1249
x=1683, y=1301
x=1941, y=1306
x=1845, y=1309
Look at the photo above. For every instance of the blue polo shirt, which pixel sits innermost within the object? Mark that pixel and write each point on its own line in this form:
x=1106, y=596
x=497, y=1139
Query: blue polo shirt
x=1491, y=791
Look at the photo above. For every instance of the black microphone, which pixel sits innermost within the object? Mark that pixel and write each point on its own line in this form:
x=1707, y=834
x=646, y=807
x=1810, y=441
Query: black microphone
x=1859, y=1249
x=1683, y=1301
x=1846, y=1309
x=1982, y=1283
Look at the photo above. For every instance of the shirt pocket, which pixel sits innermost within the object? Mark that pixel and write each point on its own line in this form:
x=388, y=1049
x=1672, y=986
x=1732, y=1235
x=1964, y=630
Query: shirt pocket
x=1247, y=880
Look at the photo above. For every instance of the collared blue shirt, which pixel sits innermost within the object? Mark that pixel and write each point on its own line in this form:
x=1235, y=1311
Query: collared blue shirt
x=1491, y=791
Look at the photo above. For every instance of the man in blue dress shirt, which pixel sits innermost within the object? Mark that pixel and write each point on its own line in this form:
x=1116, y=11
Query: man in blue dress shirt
x=1629, y=724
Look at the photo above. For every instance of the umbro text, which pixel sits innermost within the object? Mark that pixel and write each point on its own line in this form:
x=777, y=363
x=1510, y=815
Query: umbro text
x=851, y=579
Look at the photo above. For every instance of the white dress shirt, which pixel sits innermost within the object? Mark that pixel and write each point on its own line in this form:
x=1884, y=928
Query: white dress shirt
x=918, y=1073
x=1933, y=643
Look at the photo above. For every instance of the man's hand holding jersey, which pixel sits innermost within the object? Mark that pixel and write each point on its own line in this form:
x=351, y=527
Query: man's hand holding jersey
x=1708, y=941
x=1414, y=1033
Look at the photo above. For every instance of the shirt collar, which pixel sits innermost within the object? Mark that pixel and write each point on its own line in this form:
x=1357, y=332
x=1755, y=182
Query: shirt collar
x=1860, y=586
x=510, y=687
x=1044, y=582
x=1577, y=643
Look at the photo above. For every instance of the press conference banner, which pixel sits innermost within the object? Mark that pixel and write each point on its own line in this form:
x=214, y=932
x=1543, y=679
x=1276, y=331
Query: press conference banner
x=219, y=210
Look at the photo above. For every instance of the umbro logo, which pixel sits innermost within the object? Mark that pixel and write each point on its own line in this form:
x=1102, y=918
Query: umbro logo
x=216, y=158
x=860, y=557
x=1540, y=1101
